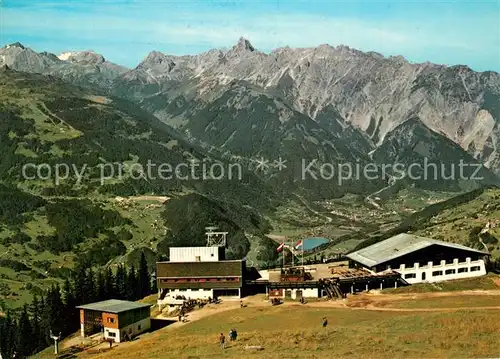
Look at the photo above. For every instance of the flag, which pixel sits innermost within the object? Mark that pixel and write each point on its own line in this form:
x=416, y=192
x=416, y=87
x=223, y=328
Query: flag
x=299, y=244
x=280, y=247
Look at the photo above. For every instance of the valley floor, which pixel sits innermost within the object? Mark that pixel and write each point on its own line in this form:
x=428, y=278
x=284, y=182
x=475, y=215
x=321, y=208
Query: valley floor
x=460, y=324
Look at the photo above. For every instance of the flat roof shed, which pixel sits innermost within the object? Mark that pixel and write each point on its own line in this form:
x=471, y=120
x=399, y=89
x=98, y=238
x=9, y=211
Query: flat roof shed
x=113, y=306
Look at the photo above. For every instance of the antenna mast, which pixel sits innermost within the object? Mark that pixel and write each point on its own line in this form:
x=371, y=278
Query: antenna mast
x=214, y=238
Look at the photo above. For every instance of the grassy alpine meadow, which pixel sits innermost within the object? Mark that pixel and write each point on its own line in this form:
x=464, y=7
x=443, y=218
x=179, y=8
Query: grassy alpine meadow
x=490, y=281
x=462, y=301
x=296, y=332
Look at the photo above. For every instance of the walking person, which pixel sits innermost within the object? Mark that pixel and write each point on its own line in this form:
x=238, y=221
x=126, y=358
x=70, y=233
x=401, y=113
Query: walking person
x=325, y=322
x=222, y=341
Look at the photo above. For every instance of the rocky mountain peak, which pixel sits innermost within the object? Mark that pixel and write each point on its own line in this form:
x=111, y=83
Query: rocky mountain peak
x=156, y=58
x=87, y=57
x=16, y=44
x=243, y=45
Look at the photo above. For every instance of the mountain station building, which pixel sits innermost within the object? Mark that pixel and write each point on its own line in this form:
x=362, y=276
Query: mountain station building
x=198, y=273
x=119, y=319
x=420, y=259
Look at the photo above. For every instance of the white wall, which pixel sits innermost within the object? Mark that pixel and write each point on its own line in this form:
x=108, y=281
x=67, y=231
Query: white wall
x=131, y=330
x=428, y=269
x=190, y=254
x=116, y=338
x=306, y=293
x=190, y=293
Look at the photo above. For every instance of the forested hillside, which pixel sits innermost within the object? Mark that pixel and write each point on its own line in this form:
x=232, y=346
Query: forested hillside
x=100, y=210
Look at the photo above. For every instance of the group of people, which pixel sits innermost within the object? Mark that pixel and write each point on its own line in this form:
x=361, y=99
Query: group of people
x=233, y=334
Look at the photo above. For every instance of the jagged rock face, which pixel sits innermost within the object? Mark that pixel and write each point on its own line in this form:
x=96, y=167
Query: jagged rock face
x=86, y=57
x=430, y=160
x=360, y=95
x=84, y=68
x=371, y=92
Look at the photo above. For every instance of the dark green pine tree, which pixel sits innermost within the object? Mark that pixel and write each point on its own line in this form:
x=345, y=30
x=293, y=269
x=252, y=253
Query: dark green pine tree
x=121, y=282
x=90, y=286
x=44, y=322
x=24, y=342
x=144, y=277
x=39, y=342
x=79, y=289
x=132, y=289
x=8, y=329
x=100, y=285
x=109, y=284
x=70, y=313
x=54, y=310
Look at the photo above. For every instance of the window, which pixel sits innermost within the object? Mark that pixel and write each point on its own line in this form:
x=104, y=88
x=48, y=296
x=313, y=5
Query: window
x=111, y=320
x=437, y=273
x=211, y=254
x=475, y=268
x=463, y=270
x=111, y=334
x=410, y=275
x=198, y=259
x=450, y=271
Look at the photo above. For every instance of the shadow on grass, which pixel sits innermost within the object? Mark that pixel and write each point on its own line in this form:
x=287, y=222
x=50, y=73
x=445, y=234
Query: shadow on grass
x=157, y=324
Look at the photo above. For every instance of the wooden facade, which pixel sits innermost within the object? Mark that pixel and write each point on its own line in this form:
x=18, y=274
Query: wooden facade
x=200, y=275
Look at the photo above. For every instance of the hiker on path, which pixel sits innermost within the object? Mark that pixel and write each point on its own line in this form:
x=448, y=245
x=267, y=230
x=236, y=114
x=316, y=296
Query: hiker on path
x=222, y=341
x=325, y=322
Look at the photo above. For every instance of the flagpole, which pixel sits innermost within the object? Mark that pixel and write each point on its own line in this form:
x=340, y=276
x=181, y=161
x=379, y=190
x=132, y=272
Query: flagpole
x=302, y=254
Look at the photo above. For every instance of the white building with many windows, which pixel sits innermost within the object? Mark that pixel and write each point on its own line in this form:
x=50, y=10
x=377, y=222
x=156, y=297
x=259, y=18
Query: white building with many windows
x=421, y=259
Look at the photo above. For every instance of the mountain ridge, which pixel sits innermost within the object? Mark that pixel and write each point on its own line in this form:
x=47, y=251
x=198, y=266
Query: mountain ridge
x=331, y=85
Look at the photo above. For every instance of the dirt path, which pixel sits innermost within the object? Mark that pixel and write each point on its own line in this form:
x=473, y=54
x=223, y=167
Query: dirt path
x=207, y=311
x=366, y=301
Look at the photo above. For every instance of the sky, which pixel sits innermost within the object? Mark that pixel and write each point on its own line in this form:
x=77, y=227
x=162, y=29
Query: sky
x=125, y=31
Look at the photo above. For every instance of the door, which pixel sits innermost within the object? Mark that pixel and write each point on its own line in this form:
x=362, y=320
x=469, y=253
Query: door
x=423, y=275
x=298, y=294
